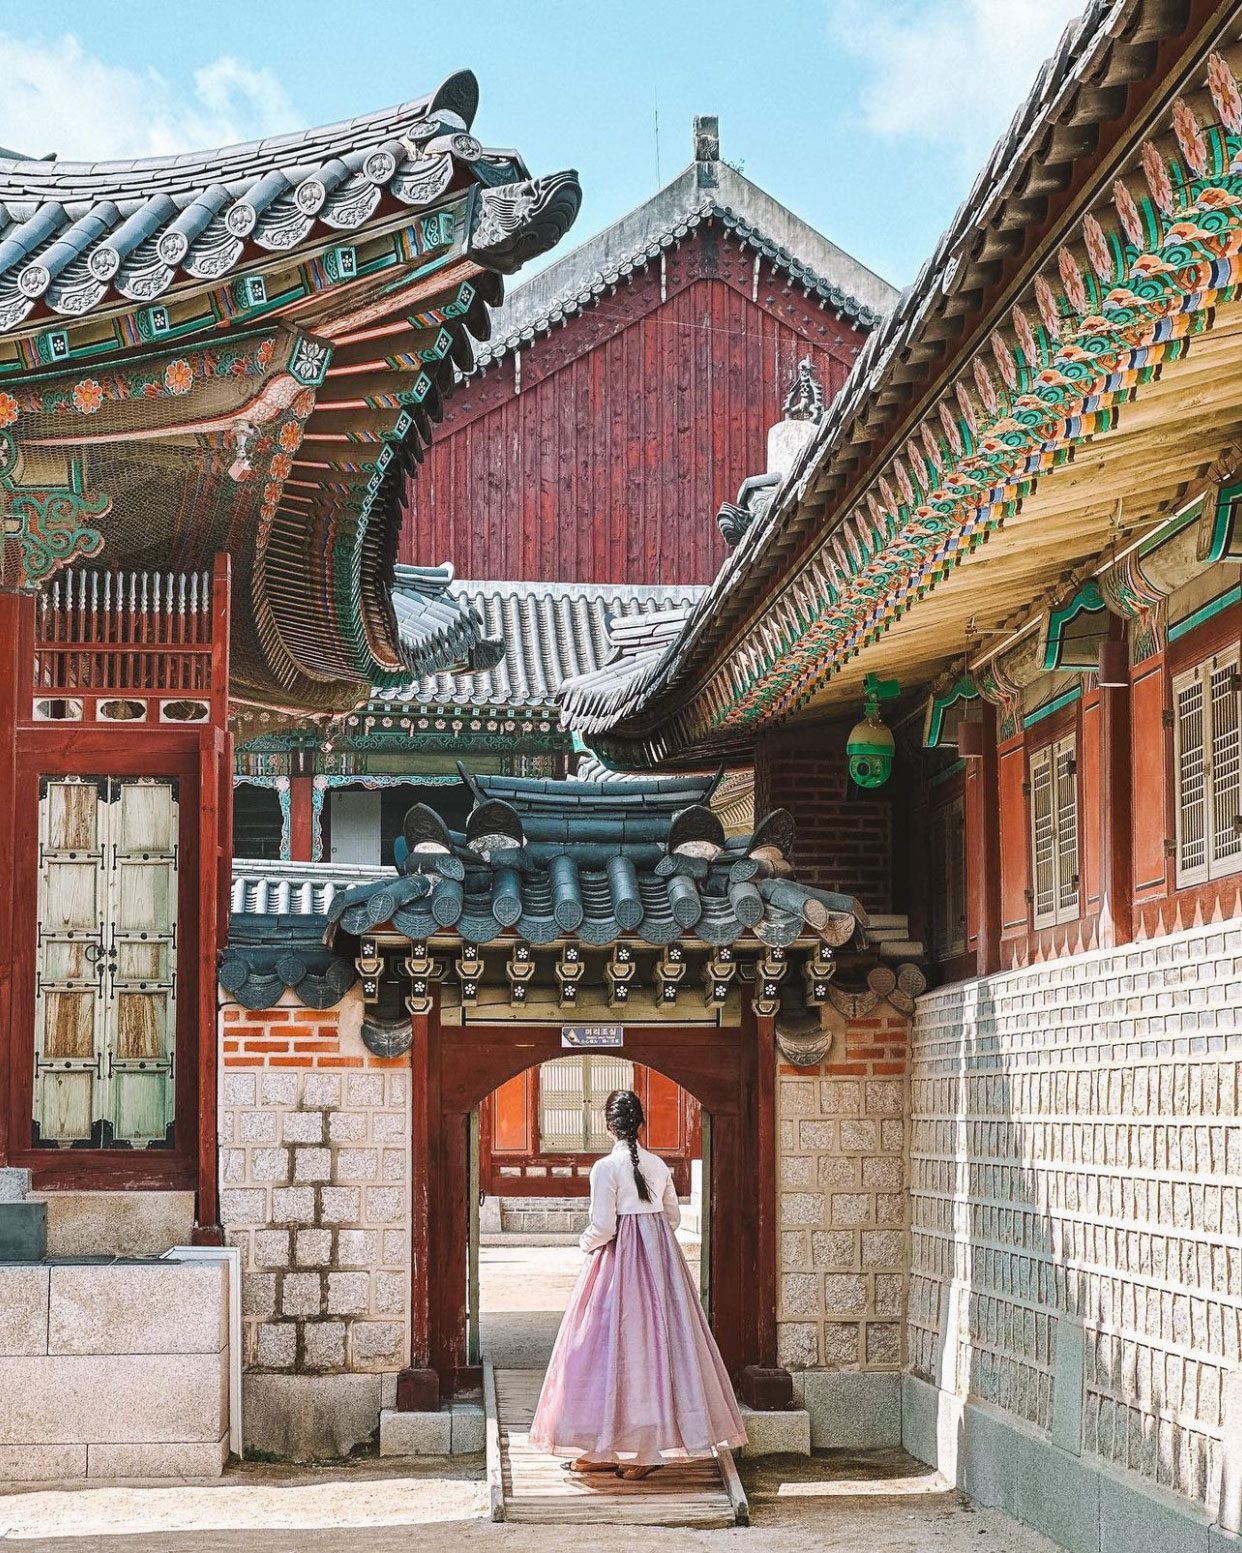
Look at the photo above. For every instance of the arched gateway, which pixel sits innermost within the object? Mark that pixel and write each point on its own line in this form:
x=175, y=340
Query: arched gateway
x=576, y=915
x=365, y=1022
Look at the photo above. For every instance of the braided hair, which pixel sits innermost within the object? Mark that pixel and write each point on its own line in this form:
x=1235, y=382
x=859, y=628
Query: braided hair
x=623, y=1111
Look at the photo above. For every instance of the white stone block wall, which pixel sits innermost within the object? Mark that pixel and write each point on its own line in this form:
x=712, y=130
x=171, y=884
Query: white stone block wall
x=113, y=1370
x=315, y=1190
x=1075, y=1177
x=843, y=1234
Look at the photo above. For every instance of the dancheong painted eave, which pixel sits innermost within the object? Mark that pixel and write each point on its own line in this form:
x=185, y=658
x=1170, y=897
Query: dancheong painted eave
x=247, y=349
x=1096, y=250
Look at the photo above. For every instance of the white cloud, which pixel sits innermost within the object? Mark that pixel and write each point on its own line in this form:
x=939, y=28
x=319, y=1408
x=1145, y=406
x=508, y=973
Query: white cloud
x=948, y=71
x=56, y=97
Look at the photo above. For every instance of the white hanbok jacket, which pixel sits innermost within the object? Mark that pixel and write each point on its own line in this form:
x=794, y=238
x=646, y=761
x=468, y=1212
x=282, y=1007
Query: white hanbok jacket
x=614, y=1193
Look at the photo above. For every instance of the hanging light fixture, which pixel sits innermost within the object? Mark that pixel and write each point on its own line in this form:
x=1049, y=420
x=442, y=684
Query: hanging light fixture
x=970, y=740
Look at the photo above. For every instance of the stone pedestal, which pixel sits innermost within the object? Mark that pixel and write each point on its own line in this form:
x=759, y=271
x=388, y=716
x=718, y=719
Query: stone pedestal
x=23, y=1231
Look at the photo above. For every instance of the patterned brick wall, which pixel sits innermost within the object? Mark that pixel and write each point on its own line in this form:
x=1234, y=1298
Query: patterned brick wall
x=1076, y=1185
x=845, y=839
x=315, y=1172
x=842, y=1203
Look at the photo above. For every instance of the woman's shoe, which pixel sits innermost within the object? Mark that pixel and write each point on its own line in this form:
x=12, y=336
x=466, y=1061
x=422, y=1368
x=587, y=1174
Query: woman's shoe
x=636, y=1474
x=585, y=1464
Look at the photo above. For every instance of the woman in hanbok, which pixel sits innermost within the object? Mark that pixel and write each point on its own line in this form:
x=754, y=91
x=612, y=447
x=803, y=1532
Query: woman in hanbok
x=635, y=1379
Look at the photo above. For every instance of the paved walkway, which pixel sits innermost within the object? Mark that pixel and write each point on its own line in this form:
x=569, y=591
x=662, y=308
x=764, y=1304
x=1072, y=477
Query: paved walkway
x=831, y=1504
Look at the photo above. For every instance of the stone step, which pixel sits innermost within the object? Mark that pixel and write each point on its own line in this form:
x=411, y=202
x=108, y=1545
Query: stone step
x=14, y=1184
x=23, y=1231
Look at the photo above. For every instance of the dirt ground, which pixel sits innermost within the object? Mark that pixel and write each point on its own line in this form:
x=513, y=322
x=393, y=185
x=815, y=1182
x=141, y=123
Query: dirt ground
x=834, y=1503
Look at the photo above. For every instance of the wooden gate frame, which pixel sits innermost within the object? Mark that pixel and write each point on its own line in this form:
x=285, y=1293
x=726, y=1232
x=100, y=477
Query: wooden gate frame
x=729, y=1069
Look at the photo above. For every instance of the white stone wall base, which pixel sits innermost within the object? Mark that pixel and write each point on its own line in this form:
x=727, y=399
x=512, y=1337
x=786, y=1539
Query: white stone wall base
x=850, y=1409
x=458, y=1429
x=1078, y=1502
x=777, y=1434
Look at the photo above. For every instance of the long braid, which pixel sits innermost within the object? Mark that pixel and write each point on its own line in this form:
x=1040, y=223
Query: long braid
x=623, y=1112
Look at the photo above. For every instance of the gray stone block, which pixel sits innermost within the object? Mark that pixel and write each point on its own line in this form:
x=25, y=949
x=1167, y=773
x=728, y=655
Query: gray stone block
x=850, y=1410
x=113, y=1399
x=777, y=1434
x=1067, y=1386
x=118, y=1223
x=986, y=1463
x=469, y=1433
x=1220, y=1541
x=14, y=1184
x=23, y=1231
x=158, y=1461
x=310, y=1417
x=141, y=1308
x=41, y=1463
x=1133, y=1519
x=1057, y=1494
x=416, y=1434
x=23, y=1310
x=918, y=1420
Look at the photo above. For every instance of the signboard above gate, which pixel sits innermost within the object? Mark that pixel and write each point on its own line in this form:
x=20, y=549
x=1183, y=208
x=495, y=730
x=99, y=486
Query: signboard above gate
x=591, y=1037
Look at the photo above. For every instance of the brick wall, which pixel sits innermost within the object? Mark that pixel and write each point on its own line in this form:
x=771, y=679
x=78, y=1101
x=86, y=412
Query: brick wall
x=842, y=1208
x=845, y=839
x=1076, y=1186
x=315, y=1172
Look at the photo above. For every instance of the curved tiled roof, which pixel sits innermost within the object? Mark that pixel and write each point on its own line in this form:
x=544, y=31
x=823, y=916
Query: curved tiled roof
x=75, y=235
x=551, y=633
x=1096, y=90
x=595, y=862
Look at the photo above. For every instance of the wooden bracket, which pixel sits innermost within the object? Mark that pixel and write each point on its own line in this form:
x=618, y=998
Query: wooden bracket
x=817, y=973
x=570, y=969
x=769, y=974
x=621, y=972
x=469, y=974
x=670, y=970
x=718, y=972
x=520, y=970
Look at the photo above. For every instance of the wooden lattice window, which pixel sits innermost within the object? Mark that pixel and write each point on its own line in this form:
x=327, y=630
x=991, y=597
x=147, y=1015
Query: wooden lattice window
x=106, y=982
x=1208, y=761
x=1054, y=833
x=572, y=1092
x=948, y=880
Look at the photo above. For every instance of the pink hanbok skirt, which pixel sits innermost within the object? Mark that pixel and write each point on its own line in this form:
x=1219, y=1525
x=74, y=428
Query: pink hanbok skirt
x=635, y=1375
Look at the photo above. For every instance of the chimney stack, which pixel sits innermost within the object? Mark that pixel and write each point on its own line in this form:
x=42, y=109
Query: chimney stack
x=707, y=149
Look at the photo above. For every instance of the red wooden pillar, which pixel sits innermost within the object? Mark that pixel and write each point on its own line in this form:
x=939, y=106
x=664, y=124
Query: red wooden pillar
x=418, y=1386
x=1116, y=850
x=301, y=818
x=983, y=851
x=764, y=1135
x=16, y=671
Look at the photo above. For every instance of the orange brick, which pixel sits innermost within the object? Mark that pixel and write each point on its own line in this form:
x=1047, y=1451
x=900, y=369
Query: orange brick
x=315, y=1046
x=244, y=1062
x=291, y=1062
x=338, y=1062
x=276, y=1016
x=307, y=1016
x=266, y=1046
x=846, y=1069
x=888, y=1069
x=231, y=1046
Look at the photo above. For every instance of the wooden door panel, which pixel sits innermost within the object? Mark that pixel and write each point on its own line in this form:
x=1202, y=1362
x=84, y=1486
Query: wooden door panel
x=1011, y=779
x=511, y=1116
x=664, y=1110
x=1148, y=778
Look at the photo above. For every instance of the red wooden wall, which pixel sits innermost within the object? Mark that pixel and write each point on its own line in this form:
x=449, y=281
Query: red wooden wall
x=605, y=455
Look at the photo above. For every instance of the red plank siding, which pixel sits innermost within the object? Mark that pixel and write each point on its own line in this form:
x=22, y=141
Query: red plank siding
x=633, y=422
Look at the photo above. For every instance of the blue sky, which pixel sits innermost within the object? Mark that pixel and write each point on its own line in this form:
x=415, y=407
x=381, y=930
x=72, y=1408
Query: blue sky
x=869, y=118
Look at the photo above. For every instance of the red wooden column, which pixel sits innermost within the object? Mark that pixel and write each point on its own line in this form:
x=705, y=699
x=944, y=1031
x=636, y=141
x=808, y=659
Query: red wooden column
x=418, y=1386
x=16, y=670
x=1116, y=806
x=764, y=1134
x=983, y=851
x=301, y=818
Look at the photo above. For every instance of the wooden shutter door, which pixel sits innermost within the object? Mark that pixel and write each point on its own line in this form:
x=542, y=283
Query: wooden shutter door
x=604, y=1074
x=142, y=955
x=561, y=1125
x=1191, y=767
x=1065, y=771
x=69, y=1045
x=1043, y=838
x=1226, y=788
x=1015, y=865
